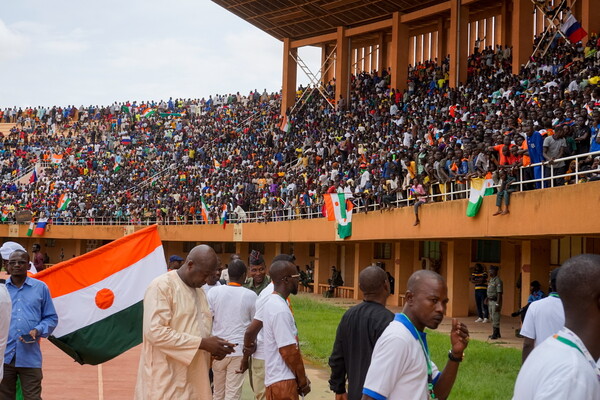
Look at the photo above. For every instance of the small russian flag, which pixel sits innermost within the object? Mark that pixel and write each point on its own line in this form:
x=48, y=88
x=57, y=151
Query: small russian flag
x=40, y=228
x=572, y=29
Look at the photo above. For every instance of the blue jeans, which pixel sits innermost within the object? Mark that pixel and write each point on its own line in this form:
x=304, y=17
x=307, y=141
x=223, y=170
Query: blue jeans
x=482, y=309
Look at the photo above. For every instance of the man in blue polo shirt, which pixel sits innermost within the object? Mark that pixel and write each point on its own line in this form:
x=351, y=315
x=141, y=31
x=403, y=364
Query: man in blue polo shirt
x=535, y=148
x=401, y=367
x=33, y=316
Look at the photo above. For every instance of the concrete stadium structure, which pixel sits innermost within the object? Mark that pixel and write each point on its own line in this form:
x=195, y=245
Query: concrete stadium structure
x=545, y=227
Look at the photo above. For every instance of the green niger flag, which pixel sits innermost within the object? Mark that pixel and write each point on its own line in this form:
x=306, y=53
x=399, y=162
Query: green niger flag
x=479, y=187
x=99, y=296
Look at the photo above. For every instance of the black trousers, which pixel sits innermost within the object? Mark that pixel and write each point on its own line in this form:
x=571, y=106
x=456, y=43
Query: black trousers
x=31, y=382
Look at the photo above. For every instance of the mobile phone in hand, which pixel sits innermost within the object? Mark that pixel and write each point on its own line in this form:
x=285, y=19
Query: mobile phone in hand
x=27, y=338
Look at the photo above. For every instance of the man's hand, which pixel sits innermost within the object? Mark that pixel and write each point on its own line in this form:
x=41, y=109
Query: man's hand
x=244, y=365
x=304, y=390
x=343, y=396
x=216, y=346
x=459, y=338
x=34, y=333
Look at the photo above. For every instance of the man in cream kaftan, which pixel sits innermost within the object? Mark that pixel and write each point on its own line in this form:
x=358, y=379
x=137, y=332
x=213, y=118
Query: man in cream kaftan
x=177, y=345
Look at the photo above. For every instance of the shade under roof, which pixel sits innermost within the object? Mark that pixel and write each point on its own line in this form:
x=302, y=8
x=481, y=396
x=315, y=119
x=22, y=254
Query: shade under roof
x=299, y=19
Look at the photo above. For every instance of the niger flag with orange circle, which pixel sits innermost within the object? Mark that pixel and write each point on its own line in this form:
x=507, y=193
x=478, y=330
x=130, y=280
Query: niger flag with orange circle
x=99, y=296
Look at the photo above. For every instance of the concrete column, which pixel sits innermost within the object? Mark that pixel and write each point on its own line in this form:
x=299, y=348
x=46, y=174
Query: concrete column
x=322, y=264
x=489, y=32
x=442, y=41
x=457, y=277
x=403, y=268
x=522, y=33
x=590, y=16
x=363, y=257
x=382, y=53
x=399, y=54
x=342, y=66
x=509, y=273
x=458, y=42
x=503, y=34
x=535, y=265
x=290, y=69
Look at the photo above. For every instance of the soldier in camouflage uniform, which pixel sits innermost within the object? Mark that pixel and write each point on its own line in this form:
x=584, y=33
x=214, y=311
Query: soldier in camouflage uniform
x=494, y=298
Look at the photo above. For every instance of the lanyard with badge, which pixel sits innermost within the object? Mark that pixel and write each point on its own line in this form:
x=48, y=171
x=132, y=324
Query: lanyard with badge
x=566, y=336
x=427, y=359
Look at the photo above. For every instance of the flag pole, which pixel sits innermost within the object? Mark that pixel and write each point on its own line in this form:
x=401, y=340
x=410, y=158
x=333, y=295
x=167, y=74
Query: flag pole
x=100, y=383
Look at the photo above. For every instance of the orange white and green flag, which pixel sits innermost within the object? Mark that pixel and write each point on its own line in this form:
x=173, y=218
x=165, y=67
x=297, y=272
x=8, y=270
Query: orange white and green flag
x=99, y=296
x=204, y=210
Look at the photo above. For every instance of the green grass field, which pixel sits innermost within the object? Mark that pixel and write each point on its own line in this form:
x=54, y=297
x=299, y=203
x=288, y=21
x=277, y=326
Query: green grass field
x=488, y=372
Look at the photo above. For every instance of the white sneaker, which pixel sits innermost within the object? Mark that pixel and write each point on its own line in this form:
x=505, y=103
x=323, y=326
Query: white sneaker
x=485, y=321
x=480, y=320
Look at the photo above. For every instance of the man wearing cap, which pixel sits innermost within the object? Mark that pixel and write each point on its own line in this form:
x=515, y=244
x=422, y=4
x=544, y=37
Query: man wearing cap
x=494, y=300
x=258, y=279
x=175, y=262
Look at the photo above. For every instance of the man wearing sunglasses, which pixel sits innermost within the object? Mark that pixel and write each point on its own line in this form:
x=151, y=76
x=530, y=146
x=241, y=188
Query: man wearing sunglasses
x=285, y=377
x=33, y=316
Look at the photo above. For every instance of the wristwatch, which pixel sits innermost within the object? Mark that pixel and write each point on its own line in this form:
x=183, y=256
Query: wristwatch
x=451, y=357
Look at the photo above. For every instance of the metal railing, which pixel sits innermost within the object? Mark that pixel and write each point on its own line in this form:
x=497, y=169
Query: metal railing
x=437, y=193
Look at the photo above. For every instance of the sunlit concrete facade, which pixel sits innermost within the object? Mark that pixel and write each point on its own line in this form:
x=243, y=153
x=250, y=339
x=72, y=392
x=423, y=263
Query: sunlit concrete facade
x=545, y=228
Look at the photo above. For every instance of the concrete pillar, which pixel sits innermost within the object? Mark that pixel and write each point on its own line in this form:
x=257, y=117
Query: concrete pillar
x=419, y=46
x=458, y=42
x=503, y=34
x=323, y=263
x=458, y=260
x=342, y=66
x=489, y=33
x=535, y=265
x=442, y=41
x=290, y=69
x=590, y=16
x=382, y=53
x=522, y=33
x=404, y=262
x=363, y=257
x=510, y=266
x=399, y=55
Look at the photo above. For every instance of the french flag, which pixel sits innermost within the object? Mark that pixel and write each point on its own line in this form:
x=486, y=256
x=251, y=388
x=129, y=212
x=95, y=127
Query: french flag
x=40, y=228
x=572, y=29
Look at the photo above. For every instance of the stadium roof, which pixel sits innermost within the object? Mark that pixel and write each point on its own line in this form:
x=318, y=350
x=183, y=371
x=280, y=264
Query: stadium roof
x=299, y=19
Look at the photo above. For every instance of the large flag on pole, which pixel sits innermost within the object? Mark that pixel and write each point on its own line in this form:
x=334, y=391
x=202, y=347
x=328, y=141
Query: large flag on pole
x=99, y=296
x=340, y=209
x=479, y=187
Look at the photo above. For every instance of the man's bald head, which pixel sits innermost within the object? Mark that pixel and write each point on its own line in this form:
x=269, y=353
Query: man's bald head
x=201, y=253
x=578, y=281
x=279, y=269
x=200, y=263
x=372, y=281
x=417, y=279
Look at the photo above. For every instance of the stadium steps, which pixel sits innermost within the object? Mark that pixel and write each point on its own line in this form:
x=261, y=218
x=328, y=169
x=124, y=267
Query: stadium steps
x=6, y=127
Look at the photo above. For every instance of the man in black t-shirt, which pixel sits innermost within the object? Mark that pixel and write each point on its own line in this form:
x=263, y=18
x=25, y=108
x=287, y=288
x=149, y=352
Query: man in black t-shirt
x=357, y=334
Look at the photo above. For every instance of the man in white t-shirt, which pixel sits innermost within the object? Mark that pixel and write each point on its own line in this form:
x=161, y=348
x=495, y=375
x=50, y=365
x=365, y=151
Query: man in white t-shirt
x=401, y=367
x=565, y=366
x=5, y=314
x=253, y=340
x=544, y=318
x=232, y=306
x=285, y=377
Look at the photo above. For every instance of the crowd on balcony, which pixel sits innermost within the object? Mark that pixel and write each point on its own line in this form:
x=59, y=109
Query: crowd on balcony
x=137, y=162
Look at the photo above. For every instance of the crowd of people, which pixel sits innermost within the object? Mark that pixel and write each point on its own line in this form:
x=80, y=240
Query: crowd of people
x=167, y=161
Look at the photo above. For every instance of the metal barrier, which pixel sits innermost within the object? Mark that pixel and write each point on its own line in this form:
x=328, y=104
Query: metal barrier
x=447, y=192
